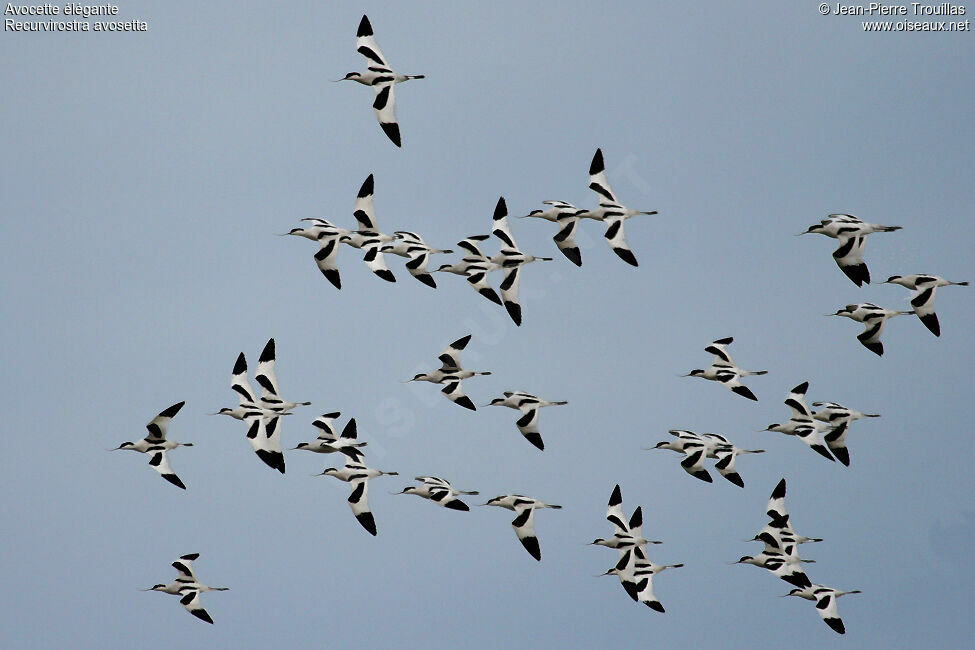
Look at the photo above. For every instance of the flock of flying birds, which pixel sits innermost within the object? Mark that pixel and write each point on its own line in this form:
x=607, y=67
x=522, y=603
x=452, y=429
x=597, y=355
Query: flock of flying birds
x=823, y=430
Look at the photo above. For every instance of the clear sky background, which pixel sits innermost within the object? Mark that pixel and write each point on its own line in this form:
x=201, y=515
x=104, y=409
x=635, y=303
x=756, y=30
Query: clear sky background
x=143, y=176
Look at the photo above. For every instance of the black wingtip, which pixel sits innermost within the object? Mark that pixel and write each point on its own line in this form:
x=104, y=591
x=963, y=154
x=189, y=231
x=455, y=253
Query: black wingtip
x=627, y=256
x=457, y=505
x=736, y=479
x=931, y=322
x=172, y=478
x=172, y=410
x=822, y=451
x=631, y=590
x=531, y=545
x=332, y=275
x=616, y=497
x=655, y=606
x=842, y=454
x=514, y=310
x=744, y=391
x=703, y=475
x=535, y=439
x=876, y=347
x=461, y=343
x=427, y=279
x=597, y=163
x=466, y=402
x=491, y=295
x=573, y=255
x=367, y=186
x=501, y=209
x=202, y=615
x=391, y=129
x=836, y=624
x=365, y=29
x=240, y=366
x=386, y=275
x=367, y=521
x=267, y=354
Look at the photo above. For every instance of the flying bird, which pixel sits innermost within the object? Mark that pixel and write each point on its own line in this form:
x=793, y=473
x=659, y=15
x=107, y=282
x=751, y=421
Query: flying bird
x=524, y=521
x=510, y=259
x=156, y=444
x=610, y=210
x=801, y=424
x=439, y=491
x=329, y=442
x=328, y=236
x=381, y=77
x=451, y=374
x=724, y=370
x=566, y=216
x=368, y=238
x=825, y=599
x=873, y=318
x=187, y=587
x=922, y=297
x=529, y=405
x=411, y=246
x=358, y=475
x=851, y=233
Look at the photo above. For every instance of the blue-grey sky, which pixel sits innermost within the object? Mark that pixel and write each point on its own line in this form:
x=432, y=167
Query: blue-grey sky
x=143, y=176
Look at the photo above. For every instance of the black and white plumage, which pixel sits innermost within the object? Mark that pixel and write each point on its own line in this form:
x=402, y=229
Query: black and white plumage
x=825, y=599
x=724, y=370
x=267, y=379
x=411, y=246
x=328, y=236
x=785, y=566
x=510, y=259
x=778, y=534
x=801, y=424
x=696, y=447
x=381, y=77
x=627, y=534
x=439, y=491
x=329, y=442
x=450, y=374
x=156, y=445
x=528, y=405
x=358, y=475
x=610, y=211
x=474, y=266
x=567, y=217
x=923, y=288
x=636, y=576
x=367, y=237
x=263, y=430
x=873, y=318
x=851, y=234
x=187, y=587
x=524, y=521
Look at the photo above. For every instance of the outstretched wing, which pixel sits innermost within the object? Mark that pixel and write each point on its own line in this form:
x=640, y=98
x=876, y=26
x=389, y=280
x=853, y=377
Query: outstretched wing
x=159, y=424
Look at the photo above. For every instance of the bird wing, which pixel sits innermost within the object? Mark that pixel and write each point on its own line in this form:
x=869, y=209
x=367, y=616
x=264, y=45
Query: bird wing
x=509, y=293
x=365, y=44
x=239, y=382
x=363, y=210
x=616, y=236
x=159, y=424
x=359, y=502
x=499, y=227
x=450, y=357
x=325, y=259
x=265, y=376
x=717, y=348
x=693, y=462
x=776, y=506
x=922, y=301
x=795, y=401
x=184, y=567
x=477, y=278
x=614, y=511
x=264, y=436
x=385, y=108
x=827, y=609
x=565, y=238
x=159, y=462
x=376, y=261
x=849, y=257
x=598, y=182
x=324, y=424
x=470, y=245
x=417, y=265
x=455, y=393
x=528, y=426
x=190, y=599
x=524, y=525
